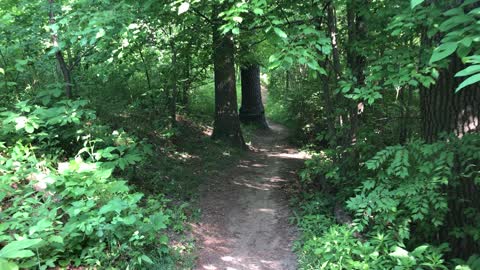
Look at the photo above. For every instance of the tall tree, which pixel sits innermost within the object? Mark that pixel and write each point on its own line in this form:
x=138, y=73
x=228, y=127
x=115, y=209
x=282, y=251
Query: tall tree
x=227, y=124
x=67, y=77
x=252, y=110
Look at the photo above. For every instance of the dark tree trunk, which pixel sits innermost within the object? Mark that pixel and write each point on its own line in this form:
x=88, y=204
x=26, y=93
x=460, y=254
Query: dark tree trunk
x=252, y=110
x=187, y=82
x=67, y=77
x=227, y=123
x=145, y=67
x=443, y=110
x=328, y=97
x=173, y=98
x=356, y=32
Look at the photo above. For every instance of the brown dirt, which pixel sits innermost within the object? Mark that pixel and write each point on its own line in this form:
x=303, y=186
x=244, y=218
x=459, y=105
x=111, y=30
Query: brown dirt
x=245, y=213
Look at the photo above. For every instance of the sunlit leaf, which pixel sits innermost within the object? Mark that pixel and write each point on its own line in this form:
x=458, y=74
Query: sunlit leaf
x=280, y=32
x=443, y=51
x=415, y=3
x=471, y=80
x=184, y=7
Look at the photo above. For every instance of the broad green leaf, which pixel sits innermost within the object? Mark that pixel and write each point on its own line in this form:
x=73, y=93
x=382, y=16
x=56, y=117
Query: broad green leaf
x=115, y=205
x=56, y=239
x=280, y=32
x=415, y=3
x=236, y=31
x=2, y=71
x=419, y=250
x=471, y=80
x=6, y=265
x=443, y=51
x=258, y=11
x=159, y=221
x=468, y=71
x=146, y=259
x=29, y=128
x=18, y=249
x=184, y=7
x=475, y=11
x=454, y=21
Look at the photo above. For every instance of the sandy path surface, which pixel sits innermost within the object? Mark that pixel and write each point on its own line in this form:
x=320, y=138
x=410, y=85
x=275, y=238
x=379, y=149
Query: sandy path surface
x=245, y=224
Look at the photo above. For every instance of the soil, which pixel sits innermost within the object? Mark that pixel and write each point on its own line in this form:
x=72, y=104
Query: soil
x=245, y=215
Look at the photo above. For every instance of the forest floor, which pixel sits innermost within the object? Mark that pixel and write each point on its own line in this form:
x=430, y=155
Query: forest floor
x=245, y=215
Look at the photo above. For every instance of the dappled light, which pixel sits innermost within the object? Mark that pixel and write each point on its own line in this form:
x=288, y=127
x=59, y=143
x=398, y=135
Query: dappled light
x=239, y=135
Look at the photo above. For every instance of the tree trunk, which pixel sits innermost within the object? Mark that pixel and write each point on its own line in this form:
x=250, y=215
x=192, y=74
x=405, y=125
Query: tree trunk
x=174, y=86
x=252, y=110
x=145, y=67
x=443, y=110
x=357, y=62
x=67, y=78
x=227, y=124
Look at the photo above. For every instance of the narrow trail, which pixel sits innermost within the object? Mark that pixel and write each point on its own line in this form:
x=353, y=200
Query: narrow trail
x=245, y=224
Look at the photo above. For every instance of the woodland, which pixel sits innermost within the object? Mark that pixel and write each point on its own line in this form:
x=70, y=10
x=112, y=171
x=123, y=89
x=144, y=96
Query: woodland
x=114, y=113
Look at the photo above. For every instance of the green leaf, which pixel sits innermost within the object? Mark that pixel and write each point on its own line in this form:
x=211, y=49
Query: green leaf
x=468, y=71
x=159, y=221
x=236, y=31
x=29, y=128
x=471, y=80
x=146, y=259
x=18, y=249
x=258, y=11
x=100, y=33
x=443, y=51
x=2, y=71
x=419, y=250
x=116, y=205
x=6, y=265
x=55, y=239
x=454, y=22
x=280, y=32
x=415, y=3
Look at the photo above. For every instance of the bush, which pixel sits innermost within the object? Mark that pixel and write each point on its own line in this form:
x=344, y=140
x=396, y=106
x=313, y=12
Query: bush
x=73, y=210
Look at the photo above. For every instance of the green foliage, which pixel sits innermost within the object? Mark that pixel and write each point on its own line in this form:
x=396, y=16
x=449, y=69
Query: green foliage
x=61, y=211
x=326, y=245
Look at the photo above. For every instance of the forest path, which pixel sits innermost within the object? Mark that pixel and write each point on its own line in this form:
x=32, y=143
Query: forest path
x=244, y=225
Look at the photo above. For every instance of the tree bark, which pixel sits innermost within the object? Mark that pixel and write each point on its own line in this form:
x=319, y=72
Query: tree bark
x=252, y=110
x=227, y=124
x=356, y=61
x=67, y=77
x=174, y=86
x=443, y=110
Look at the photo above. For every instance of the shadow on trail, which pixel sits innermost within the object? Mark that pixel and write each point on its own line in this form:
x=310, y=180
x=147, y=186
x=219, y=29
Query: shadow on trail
x=245, y=223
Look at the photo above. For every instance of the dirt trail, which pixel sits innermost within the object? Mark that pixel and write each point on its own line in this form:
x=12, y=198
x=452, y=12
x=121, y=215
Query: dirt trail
x=245, y=223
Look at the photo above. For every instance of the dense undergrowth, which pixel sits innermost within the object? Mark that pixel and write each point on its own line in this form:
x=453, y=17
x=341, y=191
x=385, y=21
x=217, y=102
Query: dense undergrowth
x=387, y=206
x=78, y=193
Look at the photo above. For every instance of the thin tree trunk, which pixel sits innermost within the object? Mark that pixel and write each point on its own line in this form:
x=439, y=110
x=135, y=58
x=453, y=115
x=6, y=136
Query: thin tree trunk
x=227, y=124
x=174, y=87
x=357, y=62
x=59, y=55
x=145, y=66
